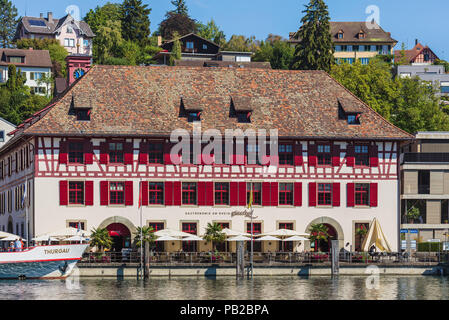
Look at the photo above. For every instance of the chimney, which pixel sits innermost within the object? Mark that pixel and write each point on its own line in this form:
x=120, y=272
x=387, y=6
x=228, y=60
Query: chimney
x=30, y=48
x=50, y=17
x=416, y=42
x=41, y=15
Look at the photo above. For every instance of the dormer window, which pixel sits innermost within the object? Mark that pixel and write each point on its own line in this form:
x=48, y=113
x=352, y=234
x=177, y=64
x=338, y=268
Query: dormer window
x=194, y=116
x=354, y=119
x=83, y=114
x=244, y=117
x=340, y=34
x=362, y=35
x=14, y=59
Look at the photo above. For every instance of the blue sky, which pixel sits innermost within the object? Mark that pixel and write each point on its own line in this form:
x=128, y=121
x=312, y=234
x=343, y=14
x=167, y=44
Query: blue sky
x=407, y=20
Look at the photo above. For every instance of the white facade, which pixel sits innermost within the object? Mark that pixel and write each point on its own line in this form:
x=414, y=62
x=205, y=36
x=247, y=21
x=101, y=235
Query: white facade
x=5, y=128
x=32, y=75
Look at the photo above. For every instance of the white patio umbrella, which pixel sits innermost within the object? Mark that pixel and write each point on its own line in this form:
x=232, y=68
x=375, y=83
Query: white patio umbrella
x=239, y=238
x=68, y=232
x=376, y=237
x=7, y=235
x=167, y=238
x=171, y=233
x=285, y=233
x=76, y=238
x=10, y=238
x=267, y=238
x=192, y=238
x=232, y=233
x=295, y=238
x=45, y=238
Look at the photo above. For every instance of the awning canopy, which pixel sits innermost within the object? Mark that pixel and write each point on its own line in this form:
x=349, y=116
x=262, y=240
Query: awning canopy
x=285, y=233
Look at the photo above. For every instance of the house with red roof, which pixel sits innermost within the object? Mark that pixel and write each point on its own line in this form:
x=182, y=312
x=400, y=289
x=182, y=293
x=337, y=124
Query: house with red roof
x=420, y=54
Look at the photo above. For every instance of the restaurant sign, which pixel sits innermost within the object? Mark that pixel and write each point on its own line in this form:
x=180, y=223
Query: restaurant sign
x=245, y=213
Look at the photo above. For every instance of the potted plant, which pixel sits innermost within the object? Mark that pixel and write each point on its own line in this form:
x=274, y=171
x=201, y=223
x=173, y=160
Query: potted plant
x=413, y=214
x=101, y=239
x=361, y=232
x=214, y=234
x=318, y=232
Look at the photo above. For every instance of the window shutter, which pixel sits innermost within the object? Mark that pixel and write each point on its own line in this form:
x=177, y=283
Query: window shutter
x=144, y=190
x=128, y=153
x=350, y=155
x=104, y=155
x=312, y=151
x=242, y=194
x=63, y=152
x=88, y=152
x=201, y=193
x=374, y=156
x=210, y=194
x=143, y=153
x=274, y=194
x=168, y=193
x=89, y=193
x=350, y=194
x=177, y=193
x=128, y=193
x=63, y=193
x=266, y=193
x=297, y=189
x=336, y=155
x=298, y=155
x=167, y=158
x=373, y=194
x=312, y=194
x=234, y=193
x=336, y=194
x=104, y=193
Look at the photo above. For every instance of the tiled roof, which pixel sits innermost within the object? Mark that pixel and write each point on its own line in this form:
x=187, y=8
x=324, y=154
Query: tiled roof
x=33, y=58
x=410, y=55
x=218, y=63
x=146, y=101
x=51, y=27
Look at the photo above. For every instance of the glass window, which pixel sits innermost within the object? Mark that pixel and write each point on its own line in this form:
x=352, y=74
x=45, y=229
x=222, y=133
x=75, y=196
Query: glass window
x=116, y=152
x=349, y=48
x=356, y=48
x=76, y=192
x=69, y=29
x=286, y=154
x=353, y=119
x=444, y=89
x=324, y=155
x=373, y=48
x=155, y=152
x=76, y=152
x=257, y=192
x=86, y=43
x=204, y=46
x=252, y=152
x=2, y=135
x=189, y=193
x=222, y=193
x=361, y=155
x=74, y=224
x=155, y=193
x=423, y=182
x=362, y=194
x=189, y=246
x=338, y=48
x=324, y=194
x=117, y=193
x=189, y=45
x=340, y=35
x=83, y=115
x=286, y=194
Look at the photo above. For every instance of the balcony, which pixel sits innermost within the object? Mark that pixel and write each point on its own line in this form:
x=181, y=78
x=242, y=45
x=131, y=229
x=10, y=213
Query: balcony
x=425, y=158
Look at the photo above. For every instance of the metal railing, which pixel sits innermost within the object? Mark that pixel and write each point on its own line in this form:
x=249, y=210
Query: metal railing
x=416, y=157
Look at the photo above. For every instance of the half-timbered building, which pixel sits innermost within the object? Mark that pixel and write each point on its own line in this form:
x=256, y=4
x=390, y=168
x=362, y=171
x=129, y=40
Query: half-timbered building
x=103, y=147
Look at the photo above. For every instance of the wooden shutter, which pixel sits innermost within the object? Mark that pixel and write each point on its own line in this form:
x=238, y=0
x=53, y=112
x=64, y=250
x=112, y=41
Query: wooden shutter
x=210, y=194
x=88, y=152
x=350, y=155
x=274, y=194
x=128, y=153
x=298, y=155
x=312, y=155
x=297, y=197
x=144, y=192
x=335, y=155
x=374, y=156
x=350, y=194
x=266, y=194
x=168, y=193
x=89, y=193
x=128, y=193
x=104, y=193
x=234, y=194
x=177, y=193
x=201, y=193
x=242, y=194
x=312, y=194
x=373, y=194
x=336, y=194
x=63, y=193
x=104, y=155
x=63, y=152
x=143, y=153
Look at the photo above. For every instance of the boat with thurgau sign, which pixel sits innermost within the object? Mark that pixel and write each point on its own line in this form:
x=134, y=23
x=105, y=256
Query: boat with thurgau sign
x=53, y=261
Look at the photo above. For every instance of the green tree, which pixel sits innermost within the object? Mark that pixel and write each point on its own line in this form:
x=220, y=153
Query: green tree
x=108, y=41
x=135, y=21
x=212, y=32
x=175, y=22
x=8, y=22
x=318, y=232
x=443, y=63
x=176, y=50
x=242, y=44
x=101, y=239
x=214, y=234
x=48, y=81
x=180, y=7
x=130, y=51
x=98, y=17
x=402, y=59
x=315, y=49
x=276, y=51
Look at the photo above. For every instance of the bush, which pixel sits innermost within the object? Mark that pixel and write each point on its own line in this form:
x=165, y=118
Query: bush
x=434, y=247
x=116, y=61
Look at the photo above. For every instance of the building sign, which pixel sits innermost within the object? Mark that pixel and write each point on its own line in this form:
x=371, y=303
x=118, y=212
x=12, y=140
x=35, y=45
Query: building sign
x=245, y=213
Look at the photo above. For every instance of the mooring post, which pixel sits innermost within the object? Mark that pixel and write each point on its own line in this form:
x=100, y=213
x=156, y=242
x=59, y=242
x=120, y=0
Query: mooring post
x=240, y=261
x=335, y=257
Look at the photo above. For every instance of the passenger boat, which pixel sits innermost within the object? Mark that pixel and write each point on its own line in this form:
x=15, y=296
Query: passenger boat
x=48, y=262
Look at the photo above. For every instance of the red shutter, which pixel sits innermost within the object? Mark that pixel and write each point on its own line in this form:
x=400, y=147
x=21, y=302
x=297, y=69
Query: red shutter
x=373, y=194
x=128, y=193
x=89, y=193
x=266, y=193
x=298, y=155
x=104, y=193
x=350, y=156
x=374, y=156
x=63, y=152
x=129, y=153
x=297, y=194
x=350, y=194
x=336, y=194
x=88, y=152
x=312, y=194
x=312, y=155
x=168, y=193
x=63, y=193
x=104, y=155
x=201, y=193
x=167, y=157
x=177, y=193
x=210, y=194
x=242, y=194
x=234, y=193
x=274, y=194
x=143, y=153
x=144, y=191
x=336, y=155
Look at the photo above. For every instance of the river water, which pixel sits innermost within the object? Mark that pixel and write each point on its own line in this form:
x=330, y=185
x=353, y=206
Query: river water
x=264, y=288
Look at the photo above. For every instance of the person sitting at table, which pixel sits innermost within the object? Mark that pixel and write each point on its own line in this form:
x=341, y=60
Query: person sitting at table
x=11, y=247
